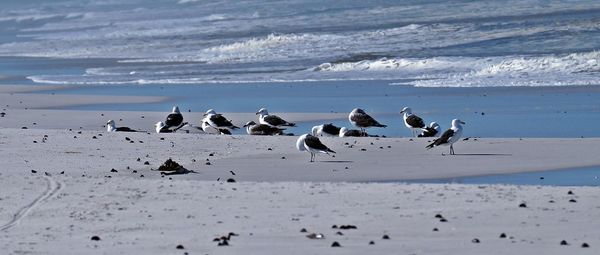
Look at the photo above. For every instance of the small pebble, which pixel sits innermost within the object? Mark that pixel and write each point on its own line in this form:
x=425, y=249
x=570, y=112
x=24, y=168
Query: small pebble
x=303, y=230
x=385, y=237
x=523, y=205
x=335, y=244
x=146, y=163
x=572, y=201
x=564, y=242
x=372, y=243
x=585, y=245
x=230, y=180
x=114, y=170
x=502, y=235
x=475, y=240
x=95, y=238
x=435, y=230
x=179, y=247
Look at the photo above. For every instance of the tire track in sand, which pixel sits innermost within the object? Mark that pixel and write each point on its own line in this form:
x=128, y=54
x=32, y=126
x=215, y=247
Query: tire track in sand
x=52, y=187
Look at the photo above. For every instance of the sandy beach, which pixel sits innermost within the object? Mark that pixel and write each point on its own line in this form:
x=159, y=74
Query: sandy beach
x=66, y=180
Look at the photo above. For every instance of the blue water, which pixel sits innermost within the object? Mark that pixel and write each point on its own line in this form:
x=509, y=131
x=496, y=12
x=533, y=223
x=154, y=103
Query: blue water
x=427, y=43
x=586, y=176
x=507, y=112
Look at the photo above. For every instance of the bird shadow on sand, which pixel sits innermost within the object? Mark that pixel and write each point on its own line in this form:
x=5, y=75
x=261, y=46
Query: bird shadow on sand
x=180, y=172
x=478, y=154
x=336, y=161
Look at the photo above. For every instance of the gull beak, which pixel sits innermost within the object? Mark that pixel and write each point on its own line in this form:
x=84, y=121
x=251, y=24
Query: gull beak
x=204, y=115
x=257, y=113
x=402, y=111
x=462, y=122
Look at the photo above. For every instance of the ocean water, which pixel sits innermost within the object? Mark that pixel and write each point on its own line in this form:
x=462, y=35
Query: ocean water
x=508, y=68
x=417, y=43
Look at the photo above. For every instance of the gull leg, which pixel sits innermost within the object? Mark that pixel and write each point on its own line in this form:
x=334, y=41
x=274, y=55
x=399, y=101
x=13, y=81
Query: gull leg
x=451, y=150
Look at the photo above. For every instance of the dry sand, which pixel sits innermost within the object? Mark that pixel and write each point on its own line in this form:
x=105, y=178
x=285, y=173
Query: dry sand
x=277, y=193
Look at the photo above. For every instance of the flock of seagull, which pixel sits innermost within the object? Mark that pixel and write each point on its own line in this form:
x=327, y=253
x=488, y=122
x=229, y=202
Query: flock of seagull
x=268, y=124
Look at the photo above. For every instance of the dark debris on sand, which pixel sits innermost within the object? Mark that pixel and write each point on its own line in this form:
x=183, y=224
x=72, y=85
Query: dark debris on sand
x=172, y=166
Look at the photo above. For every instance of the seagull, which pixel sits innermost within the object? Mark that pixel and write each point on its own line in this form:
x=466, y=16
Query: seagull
x=313, y=145
x=345, y=132
x=162, y=128
x=217, y=120
x=362, y=120
x=430, y=131
x=449, y=137
x=111, y=127
x=210, y=129
x=411, y=121
x=261, y=129
x=326, y=130
x=174, y=120
x=272, y=120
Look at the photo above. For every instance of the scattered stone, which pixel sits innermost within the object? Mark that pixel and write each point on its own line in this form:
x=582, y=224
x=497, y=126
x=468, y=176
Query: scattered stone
x=95, y=238
x=435, y=230
x=363, y=149
x=114, y=170
x=208, y=163
x=138, y=159
x=303, y=230
x=439, y=216
x=334, y=226
x=385, y=237
x=94, y=137
x=335, y=244
x=348, y=227
x=230, y=180
x=339, y=233
x=570, y=192
x=475, y=240
x=62, y=172
x=162, y=138
x=572, y=201
x=146, y=163
x=585, y=245
x=141, y=175
x=443, y=220
x=372, y=243
x=269, y=149
x=564, y=242
x=179, y=247
x=33, y=171
x=282, y=157
x=134, y=171
x=523, y=205
x=502, y=235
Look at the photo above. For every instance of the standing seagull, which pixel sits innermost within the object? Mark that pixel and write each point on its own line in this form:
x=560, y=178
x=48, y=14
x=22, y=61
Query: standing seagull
x=272, y=120
x=174, y=120
x=362, y=120
x=111, y=127
x=449, y=137
x=313, y=145
x=326, y=130
x=411, y=121
x=218, y=121
x=431, y=131
x=261, y=129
